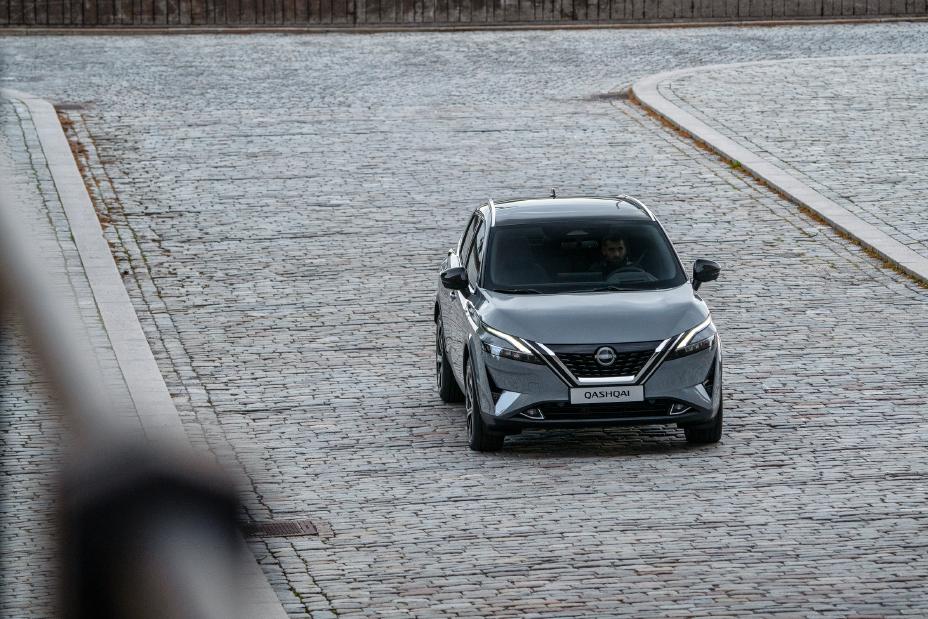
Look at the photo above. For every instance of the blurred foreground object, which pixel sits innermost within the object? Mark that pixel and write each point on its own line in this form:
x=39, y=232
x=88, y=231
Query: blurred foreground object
x=148, y=526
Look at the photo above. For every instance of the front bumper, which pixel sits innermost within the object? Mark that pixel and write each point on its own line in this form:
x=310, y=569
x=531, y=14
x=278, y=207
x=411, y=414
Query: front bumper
x=684, y=391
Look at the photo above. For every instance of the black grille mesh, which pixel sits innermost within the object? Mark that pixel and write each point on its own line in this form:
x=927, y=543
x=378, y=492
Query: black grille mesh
x=584, y=365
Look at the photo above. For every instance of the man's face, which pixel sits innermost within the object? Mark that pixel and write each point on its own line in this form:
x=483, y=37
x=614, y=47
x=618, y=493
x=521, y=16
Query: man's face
x=614, y=251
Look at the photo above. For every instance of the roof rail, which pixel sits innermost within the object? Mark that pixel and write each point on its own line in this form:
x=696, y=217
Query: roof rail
x=492, y=212
x=638, y=203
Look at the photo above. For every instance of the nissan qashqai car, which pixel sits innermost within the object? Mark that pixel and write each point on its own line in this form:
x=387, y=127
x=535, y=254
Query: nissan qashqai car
x=574, y=312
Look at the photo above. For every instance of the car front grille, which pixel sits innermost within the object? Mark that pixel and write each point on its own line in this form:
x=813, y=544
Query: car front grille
x=581, y=360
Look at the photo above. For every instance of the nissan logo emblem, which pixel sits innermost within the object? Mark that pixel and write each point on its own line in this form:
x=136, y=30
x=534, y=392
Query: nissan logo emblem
x=604, y=356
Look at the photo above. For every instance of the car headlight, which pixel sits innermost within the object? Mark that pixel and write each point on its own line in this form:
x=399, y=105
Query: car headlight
x=501, y=345
x=699, y=338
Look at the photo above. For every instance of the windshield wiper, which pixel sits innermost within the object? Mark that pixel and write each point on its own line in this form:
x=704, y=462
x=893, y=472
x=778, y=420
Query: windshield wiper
x=608, y=289
x=517, y=290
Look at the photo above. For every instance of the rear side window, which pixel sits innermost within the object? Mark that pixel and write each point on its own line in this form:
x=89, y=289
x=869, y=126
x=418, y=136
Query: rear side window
x=475, y=254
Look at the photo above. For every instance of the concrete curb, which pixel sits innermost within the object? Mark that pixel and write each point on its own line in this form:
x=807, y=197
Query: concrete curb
x=646, y=92
x=460, y=27
x=149, y=394
x=156, y=411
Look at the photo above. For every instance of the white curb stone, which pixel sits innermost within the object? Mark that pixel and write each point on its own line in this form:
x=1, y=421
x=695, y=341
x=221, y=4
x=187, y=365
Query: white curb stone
x=646, y=91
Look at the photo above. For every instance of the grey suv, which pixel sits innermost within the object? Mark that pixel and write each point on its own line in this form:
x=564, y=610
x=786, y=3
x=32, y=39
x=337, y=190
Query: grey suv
x=574, y=312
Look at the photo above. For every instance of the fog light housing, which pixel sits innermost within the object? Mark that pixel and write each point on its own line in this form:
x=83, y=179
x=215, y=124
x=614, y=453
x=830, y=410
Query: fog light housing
x=533, y=413
x=678, y=409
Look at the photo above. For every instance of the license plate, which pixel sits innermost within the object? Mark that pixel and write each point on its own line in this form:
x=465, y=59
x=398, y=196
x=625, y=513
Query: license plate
x=607, y=395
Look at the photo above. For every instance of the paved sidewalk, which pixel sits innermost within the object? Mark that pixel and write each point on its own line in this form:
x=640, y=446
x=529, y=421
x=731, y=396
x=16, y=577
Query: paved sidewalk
x=281, y=222
x=42, y=168
x=31, y=427
x=853, y=129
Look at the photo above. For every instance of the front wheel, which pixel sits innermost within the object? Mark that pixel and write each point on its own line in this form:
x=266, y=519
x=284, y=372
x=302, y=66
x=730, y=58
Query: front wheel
x=705, y=434
x=479, y=437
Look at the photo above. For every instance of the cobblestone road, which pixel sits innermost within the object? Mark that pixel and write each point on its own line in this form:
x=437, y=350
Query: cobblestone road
x=281, y=204
x=854, y=129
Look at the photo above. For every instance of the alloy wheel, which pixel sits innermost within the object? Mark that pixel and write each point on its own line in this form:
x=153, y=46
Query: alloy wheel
x=469, y=403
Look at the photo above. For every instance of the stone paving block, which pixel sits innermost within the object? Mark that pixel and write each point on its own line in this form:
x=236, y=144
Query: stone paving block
x=849, y=128
x=280, y=225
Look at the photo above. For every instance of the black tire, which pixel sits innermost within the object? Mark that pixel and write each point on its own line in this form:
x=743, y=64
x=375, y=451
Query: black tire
x=705, y=434
x=448, y=389
x=479, y=437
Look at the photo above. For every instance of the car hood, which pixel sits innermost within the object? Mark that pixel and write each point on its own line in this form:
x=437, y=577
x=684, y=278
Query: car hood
x=595, y=317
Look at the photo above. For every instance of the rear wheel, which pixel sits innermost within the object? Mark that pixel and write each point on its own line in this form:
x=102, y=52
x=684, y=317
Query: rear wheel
x=479, y=437
x=448, y=389
x=705, y=434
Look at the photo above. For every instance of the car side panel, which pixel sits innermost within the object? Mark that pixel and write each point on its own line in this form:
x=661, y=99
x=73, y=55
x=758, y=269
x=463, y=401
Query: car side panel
x=450, y=308
x=461, y=333
x=464, y=304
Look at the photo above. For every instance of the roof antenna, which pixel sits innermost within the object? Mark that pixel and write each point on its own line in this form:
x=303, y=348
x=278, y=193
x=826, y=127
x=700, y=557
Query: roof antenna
x=553, y=192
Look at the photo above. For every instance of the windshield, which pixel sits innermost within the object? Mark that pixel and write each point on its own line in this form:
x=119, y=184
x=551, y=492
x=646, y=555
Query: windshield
x=592, y=255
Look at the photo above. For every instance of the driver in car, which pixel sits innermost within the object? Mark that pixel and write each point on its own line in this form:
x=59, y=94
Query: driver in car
x=614, y=251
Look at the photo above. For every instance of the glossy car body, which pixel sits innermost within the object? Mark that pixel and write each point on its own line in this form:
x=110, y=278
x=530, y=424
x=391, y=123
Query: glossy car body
x=550, y=359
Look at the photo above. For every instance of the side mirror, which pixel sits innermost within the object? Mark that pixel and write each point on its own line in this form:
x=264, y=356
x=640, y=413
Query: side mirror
x=454, y=278
x=704, y=271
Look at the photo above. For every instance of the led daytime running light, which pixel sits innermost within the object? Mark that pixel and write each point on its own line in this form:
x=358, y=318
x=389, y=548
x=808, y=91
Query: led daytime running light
x=514, y=341
x=692, y=333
